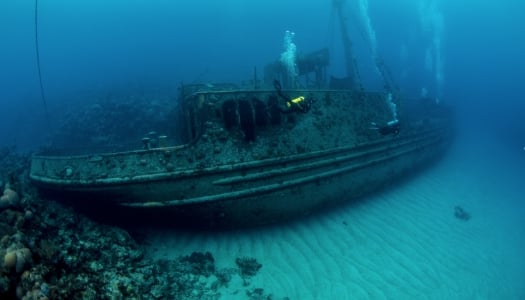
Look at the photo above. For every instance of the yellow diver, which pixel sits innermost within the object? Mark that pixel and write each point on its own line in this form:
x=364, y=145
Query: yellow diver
x=298, y=104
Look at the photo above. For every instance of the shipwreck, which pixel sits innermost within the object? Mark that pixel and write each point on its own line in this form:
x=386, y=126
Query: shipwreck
x=282, y=146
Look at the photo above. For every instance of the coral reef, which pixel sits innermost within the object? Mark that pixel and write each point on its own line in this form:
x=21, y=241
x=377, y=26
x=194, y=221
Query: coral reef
x=50, y=251
x=59, y=254
x=114, y=123
x=12, y=161
x=258, y=294
x=248, y=266
x=200, y=263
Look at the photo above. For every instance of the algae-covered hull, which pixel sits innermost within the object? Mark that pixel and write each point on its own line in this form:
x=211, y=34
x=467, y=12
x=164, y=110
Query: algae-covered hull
x=249, y=161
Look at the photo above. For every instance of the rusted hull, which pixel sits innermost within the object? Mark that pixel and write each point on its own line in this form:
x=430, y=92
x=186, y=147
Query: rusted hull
x=252, y=192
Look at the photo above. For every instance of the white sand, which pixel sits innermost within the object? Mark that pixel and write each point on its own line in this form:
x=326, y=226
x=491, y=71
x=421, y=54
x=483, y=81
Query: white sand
x=404, y=243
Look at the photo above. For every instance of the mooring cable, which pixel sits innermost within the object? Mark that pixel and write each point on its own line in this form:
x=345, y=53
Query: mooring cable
x=38, y=62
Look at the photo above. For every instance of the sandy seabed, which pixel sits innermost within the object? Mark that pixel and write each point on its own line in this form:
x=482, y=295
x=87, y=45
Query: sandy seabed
x=403, y=243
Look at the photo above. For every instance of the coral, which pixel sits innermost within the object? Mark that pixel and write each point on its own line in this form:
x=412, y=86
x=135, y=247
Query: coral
x=13, y=165
x=10, y=259
x=17, y=259
x=116, y=123
x=9, y=198
x=23, y=258
x=58, y=253
x=258, y=294
x=248, y=266
x=201, y=263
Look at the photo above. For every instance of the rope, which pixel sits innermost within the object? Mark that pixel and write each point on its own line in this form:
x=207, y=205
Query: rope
x=38, y=62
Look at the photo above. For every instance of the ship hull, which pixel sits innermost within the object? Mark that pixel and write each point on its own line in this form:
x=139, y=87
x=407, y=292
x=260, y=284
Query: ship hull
x=254, y=193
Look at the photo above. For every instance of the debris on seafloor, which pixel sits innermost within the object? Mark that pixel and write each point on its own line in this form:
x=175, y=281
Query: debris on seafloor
x=461, y=214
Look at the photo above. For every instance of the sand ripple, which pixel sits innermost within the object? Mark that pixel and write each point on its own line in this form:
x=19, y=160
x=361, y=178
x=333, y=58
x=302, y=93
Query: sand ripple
x=404, y=243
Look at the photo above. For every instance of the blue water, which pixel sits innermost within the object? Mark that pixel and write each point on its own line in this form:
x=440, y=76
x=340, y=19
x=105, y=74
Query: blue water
x=468, y=54
x=91, y=48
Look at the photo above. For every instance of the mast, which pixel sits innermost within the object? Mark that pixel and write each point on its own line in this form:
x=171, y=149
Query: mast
x=351, y=71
